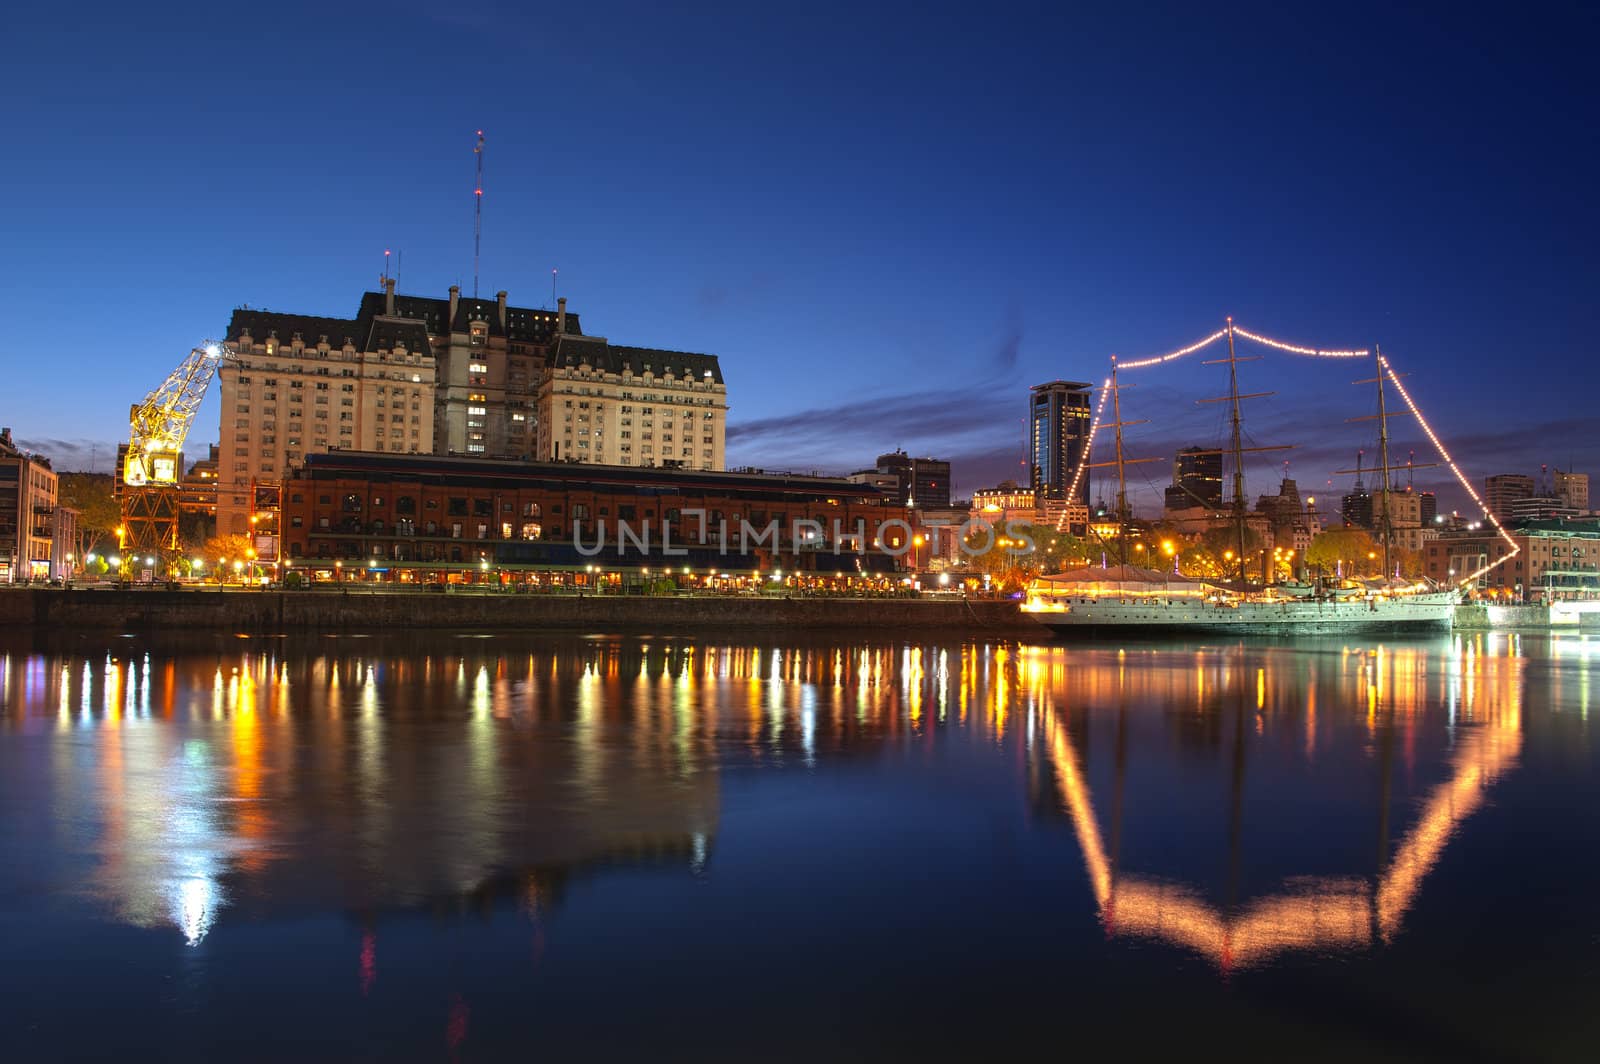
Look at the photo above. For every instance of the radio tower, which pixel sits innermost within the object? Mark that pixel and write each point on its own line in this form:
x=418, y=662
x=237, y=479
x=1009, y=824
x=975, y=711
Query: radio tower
x=477, y=220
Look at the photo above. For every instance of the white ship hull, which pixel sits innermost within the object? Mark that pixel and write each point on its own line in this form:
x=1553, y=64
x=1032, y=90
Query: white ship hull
x=1421, y=612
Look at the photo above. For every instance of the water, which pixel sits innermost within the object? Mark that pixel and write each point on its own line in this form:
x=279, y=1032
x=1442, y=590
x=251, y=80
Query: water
x=752, y=847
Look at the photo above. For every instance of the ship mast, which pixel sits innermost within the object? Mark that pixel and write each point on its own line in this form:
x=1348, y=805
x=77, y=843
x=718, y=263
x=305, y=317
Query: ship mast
x=1122, y=461
x=1238, y=449
x=1385, y=496
x=1122, y=474
x=1383, y=461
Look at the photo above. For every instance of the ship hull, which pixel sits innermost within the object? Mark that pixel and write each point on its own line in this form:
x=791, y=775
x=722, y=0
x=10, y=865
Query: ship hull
x=1421, y=613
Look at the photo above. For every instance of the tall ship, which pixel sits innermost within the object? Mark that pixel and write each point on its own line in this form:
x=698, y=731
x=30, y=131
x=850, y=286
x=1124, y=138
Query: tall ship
x=1124, y=597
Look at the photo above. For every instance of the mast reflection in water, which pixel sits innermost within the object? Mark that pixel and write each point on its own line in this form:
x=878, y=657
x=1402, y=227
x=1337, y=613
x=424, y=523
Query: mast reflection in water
x=672, y=815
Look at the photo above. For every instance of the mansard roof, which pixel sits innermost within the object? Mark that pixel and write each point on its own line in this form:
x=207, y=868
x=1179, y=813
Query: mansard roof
x=572, y=351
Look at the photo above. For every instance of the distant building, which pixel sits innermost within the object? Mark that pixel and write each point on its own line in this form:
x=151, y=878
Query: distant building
x=1356, y=508
x=920, y=482
x=197, y=491
x=1196, y=480
x=886, y=484
x=1429, y=504
x=1404, y=513
x=1540, y=508
x=1058, y=439
x=1005, y=502
x=28, y=519
x=604, y=404
x=1573, y=490
x=1504, y=489
x=1291, y=523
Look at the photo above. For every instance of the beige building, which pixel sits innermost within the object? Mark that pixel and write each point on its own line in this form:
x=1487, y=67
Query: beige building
x=604, y=404
x=1405, y=517
x=28, y=519
x=1007, y=502
x=301, y=385
x=1573, y=490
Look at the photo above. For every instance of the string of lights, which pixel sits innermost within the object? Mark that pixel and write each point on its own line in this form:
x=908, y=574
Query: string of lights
x=1156, y=360
x=1083, y=459
x=1416, y=412
x=1296, y=349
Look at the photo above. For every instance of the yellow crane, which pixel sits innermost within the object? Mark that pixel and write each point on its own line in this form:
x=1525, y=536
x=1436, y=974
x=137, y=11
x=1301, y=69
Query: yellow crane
x=150, y=472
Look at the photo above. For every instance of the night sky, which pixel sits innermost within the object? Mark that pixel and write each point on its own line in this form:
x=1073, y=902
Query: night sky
x=888, y=223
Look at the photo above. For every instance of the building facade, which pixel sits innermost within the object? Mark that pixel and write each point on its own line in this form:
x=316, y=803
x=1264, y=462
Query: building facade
x=28, y=520
x=197, y=491
x=416, y=514
x=1196, y=480
x=1005, y=502
x=887, y=485
x=298, y=386
x=923, y=483
x=604, y=404
x=1404, y=512
x=1554, y=559
x=1058, y=439
x=1504, y=489
x=1573, y=490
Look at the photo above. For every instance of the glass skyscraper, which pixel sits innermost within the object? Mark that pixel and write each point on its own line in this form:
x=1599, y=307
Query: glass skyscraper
x=1058, y=439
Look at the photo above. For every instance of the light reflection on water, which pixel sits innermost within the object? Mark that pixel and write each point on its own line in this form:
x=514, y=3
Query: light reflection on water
x=187, y=788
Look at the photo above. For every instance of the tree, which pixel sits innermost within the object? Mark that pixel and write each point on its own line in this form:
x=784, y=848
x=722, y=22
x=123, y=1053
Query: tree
x=1010, y=553
x=194, y=530
x=1353, y=547
x=1215, y=555
x=230, y=548
x=98, y=513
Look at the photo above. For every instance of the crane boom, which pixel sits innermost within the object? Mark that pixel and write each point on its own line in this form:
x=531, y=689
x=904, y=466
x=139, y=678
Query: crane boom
x=157, y=428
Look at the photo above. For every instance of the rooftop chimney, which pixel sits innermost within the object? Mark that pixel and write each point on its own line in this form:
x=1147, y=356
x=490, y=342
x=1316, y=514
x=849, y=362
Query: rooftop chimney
x=500, y=298
x=388, y=296
x=561, y=315
x=455, y=299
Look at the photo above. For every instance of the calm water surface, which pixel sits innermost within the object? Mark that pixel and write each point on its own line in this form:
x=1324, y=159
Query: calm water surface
x=482, y=848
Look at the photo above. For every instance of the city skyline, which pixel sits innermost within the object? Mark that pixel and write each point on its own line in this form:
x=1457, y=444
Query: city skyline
x=885, y=252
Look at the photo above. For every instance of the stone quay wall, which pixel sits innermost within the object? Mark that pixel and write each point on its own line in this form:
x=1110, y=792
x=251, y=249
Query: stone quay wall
x=55, y=609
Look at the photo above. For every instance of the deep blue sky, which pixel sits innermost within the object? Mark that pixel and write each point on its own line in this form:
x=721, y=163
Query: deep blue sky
x=887, y=222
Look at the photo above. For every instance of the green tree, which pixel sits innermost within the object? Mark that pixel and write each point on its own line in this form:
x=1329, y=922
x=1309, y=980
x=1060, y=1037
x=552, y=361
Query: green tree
x=1215, y=555
x=230, y=548
x=98, y=512
x=1354, y=547
x=1013, y=555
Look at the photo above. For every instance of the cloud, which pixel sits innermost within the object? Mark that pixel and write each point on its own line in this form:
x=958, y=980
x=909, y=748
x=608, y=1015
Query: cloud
x=1005, y=356
x=716, y=297
x=981, y=436
x=75, y=455
x=889, y=420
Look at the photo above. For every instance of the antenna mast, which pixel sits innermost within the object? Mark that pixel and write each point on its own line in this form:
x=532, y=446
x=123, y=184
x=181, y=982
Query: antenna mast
x=477, y=221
